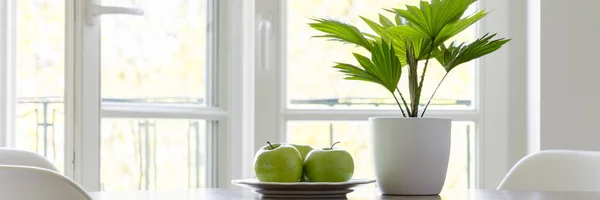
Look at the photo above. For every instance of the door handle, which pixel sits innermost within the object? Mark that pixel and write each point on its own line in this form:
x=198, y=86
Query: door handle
x=94, y=11
x=264, y=28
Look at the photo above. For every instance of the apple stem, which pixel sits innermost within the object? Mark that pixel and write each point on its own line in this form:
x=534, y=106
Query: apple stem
x=270, y=145
x=334, y=144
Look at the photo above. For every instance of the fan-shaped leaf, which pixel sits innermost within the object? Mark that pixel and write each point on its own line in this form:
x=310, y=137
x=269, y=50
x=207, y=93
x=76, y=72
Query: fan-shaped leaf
x=430, y=18
x=454, y=55
x=455, y=28
x=340, y=31
x=385, y=22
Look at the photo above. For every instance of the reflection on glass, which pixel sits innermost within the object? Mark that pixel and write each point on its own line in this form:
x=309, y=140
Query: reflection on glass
x=353, y=136
x=156, y=58
x=313, y=84
x=40, y=78
x=150, y=154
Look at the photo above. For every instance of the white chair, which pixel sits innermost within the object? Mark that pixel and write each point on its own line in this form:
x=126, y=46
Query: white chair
x=11, y=156
x=32, y=183
x=555, y=170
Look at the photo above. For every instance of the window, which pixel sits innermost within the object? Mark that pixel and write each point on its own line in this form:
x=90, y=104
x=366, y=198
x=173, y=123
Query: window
x=155, y=60
x=305, y=100
x=40, y=75
x=182, y=96
x=160, y=104
x=121, y=103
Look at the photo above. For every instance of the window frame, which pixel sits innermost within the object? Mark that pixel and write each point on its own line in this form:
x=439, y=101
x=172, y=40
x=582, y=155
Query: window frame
x=490, y=113
x=7, y=72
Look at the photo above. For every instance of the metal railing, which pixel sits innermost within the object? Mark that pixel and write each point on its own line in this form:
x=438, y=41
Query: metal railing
x=46, y=115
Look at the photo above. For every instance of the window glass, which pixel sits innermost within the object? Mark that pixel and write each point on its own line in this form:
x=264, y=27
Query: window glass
x=40, y=68
x=156, y=58
x=148, y=154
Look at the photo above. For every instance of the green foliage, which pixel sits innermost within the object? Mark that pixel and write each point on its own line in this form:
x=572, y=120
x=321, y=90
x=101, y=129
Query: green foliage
x=415, y=34
x=383, y=68
x=339, y=31
x=453, y=55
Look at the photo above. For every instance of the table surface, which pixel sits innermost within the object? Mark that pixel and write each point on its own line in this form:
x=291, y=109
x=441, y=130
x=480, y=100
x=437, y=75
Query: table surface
x=367, y=194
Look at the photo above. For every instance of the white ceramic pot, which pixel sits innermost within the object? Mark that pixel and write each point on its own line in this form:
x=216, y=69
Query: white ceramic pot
x=410, y=154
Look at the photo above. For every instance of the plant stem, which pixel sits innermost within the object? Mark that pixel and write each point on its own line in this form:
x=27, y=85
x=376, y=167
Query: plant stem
x=334, y=144
x=413, y=79
x=436, y=89
x=270, y=144
x=403, y=101
x=423, y=78
x=403, y=114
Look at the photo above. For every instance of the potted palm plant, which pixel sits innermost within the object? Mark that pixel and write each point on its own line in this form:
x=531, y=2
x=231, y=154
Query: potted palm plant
x=410, y=151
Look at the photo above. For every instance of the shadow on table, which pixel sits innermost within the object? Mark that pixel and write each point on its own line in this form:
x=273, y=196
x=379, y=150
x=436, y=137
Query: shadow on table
x=394, y=197
x=378, y=197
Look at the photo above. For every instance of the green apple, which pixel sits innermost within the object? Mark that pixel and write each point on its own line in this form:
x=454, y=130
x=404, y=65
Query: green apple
x=278, y=163
x=304, y=150
x=328, y=165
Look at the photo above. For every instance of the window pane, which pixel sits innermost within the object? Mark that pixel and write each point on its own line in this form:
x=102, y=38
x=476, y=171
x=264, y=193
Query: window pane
x=143, y=154
x=40, y=78
x=156, y=58
x=353, y=136
x=312, y=83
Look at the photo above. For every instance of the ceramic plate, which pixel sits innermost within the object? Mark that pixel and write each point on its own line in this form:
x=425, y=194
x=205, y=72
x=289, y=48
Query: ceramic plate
x=301, y=189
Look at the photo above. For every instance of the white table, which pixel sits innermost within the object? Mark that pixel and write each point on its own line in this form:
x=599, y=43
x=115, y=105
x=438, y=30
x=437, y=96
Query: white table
x=367, y=194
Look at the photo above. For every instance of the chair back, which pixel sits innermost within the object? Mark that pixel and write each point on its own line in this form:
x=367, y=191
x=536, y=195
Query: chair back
x=32, y=183
x=12, y=156
x=555, y=170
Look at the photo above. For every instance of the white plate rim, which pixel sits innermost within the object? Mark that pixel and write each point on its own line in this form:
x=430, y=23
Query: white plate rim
x=303, y=192
x=254, y=181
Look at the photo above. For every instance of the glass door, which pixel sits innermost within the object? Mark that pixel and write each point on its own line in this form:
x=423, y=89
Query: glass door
x=147, y=94
x=155, y=69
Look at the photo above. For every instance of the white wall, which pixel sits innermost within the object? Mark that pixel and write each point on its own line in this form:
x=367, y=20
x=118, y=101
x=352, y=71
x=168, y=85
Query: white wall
x=570, y=75
x=517, y=80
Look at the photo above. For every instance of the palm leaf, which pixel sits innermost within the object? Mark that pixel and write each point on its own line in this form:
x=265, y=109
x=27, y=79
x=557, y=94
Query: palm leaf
x=383, y=68
x=455, y=28
x=384, y=57
x=355, y=73
x=454, y=55
x=340, y=31
x=430, y=18
x=373, y=37
x=409, y=31
x=396, y=41
x=378, y=29
x=385, y=21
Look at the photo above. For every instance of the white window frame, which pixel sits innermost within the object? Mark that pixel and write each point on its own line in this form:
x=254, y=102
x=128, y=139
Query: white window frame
x=490, y=113
x=7, y=72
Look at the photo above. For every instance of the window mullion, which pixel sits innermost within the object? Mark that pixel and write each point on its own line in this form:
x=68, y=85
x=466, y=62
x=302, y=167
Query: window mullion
x=235, y=146
x=83, y=92
x=270, y=64
x=128, y=110
x=457, y=115
x=7, y=72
